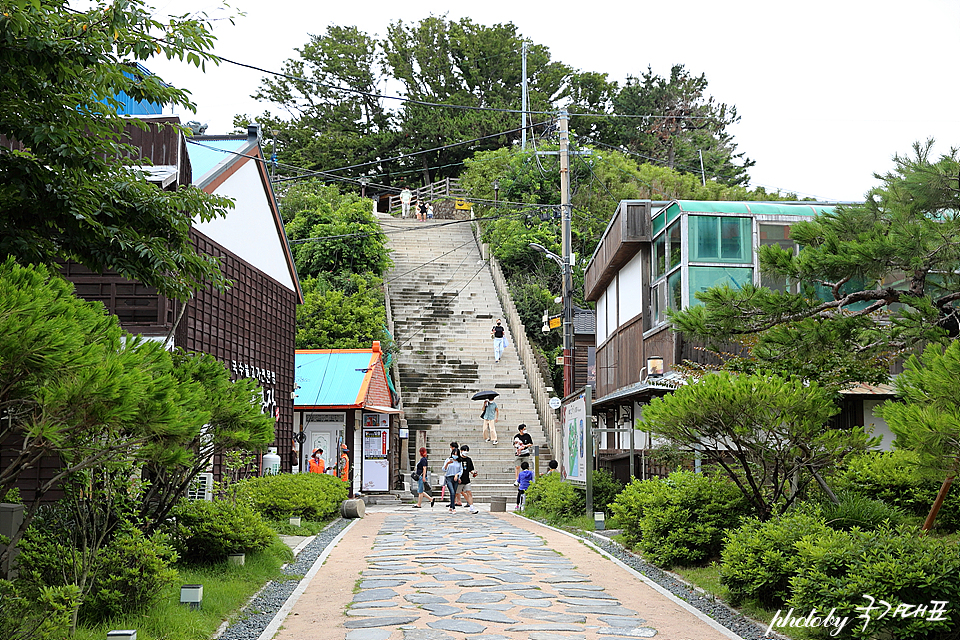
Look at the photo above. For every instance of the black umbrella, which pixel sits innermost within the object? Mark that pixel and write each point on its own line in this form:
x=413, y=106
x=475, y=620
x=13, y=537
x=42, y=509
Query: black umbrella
x=485, y=395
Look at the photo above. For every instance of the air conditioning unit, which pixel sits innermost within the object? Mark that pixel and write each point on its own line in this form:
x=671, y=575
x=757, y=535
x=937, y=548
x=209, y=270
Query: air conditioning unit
x=201, y=488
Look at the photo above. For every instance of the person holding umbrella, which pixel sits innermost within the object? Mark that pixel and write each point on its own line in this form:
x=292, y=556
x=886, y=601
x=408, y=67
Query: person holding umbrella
x=489, y=414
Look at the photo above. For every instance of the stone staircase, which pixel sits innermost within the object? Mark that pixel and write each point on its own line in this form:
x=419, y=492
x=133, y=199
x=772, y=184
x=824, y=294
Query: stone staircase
x=443, y=303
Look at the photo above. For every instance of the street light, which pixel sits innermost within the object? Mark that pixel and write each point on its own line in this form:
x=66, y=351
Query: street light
x=567, y=295
x=496, y=191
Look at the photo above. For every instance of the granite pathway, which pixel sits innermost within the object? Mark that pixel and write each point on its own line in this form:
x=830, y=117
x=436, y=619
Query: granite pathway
x=431, y=575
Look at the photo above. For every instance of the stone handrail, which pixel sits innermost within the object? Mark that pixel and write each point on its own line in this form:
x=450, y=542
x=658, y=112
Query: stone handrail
x=538, y=389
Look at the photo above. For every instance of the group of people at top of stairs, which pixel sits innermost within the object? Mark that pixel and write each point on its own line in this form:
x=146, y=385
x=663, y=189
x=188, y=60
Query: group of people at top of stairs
x=458, y=469
x=423, y=209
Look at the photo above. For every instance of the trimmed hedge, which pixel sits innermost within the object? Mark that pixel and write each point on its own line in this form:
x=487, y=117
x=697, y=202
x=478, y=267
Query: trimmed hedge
x=312, y=496
x=759, y=558
x=550, y=498
x=208, y=531
x=679, y=520
x=836, y=569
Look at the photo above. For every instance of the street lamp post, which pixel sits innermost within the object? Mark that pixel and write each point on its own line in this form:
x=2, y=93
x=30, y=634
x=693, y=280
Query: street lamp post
x=567, y=296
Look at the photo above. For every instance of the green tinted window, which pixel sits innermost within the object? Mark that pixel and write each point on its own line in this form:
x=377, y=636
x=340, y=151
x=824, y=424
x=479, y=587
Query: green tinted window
x=673, y=245
x=702, y=278
x=720, y=239
x=674, y=290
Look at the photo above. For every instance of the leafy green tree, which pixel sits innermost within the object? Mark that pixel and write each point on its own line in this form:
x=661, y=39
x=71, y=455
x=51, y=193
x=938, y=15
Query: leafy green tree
x=222, y=415
x=73, y=385
x=333, y=115
x=332, y=232
x=340, y=317
x=927, y=419
x=766, y=432
x=71, y=191
x=878, y=278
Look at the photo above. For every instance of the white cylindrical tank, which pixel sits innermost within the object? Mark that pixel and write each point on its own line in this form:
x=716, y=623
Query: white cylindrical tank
x=271, y=462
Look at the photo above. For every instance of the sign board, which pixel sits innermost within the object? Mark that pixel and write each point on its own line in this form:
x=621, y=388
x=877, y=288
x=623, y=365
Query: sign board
x=462, y=205
x=554, y=402
x=573, y=461
x=555, y=323
x=376, y=466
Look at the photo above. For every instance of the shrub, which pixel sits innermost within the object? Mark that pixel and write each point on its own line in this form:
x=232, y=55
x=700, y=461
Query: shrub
x=126, y=575
x=205, y=531
x=605, y=489
x=893, y=477
x=551, y=498
x=313, y=496
x=759, y=558
x=860, y=511
x=45, y=616
x=836, y=569
x=680, y=519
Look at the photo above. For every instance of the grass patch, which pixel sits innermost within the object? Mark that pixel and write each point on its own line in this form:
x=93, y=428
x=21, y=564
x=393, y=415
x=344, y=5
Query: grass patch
x=226, y=588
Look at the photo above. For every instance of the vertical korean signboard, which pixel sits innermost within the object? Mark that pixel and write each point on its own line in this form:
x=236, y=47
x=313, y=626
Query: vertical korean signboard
x=376, y=465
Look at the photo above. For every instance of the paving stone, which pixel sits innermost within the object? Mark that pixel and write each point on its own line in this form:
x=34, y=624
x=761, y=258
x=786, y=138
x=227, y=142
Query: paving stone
x=476, y=568
x=613, y=611
x=452, y=577
x=424, y=598
x=589, y=602
x=624, y=632
x=563, y=579
x=546, y=635
x=584, y=593
x=424, y=634
x=368, y=634
x=530, y=602
x=475, y=598
x=492, y=606
x=545, y=627
x=491, y=636
x=441, y=609
x=374, y=594
x=373, y=604
x=388, y=621
x=460, y=626
x=619, y=621
x=552, y=616
x=373, y=613
x=511, y=577
x=511, y=587
x=487, y=616
x=375, y=584
x=479, y=582
x=585, y=587
x=533, y=594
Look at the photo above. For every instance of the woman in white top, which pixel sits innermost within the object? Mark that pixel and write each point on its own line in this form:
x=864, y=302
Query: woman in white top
x=452, y=469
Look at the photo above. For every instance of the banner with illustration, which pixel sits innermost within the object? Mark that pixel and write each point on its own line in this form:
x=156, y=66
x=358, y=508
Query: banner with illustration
x=573, y=463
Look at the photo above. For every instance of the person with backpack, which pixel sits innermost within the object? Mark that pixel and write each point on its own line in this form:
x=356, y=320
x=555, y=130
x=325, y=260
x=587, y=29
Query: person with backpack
x=489, y=415
x=422, y=476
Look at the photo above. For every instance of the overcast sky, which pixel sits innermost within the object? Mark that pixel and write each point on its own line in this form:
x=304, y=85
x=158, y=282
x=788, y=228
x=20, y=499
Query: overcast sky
x=827, y=91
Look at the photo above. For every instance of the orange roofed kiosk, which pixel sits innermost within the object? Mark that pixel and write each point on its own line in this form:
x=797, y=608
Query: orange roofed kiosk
x=344, y=398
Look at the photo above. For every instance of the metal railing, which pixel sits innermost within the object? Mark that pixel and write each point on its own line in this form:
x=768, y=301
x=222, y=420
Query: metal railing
x=439, y=192
x=528, y=359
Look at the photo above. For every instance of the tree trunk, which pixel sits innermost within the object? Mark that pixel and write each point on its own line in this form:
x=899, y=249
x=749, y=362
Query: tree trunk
x=935, y=509
x=826, y=488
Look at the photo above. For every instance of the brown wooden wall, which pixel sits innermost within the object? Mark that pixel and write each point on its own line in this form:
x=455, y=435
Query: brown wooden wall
x=620, y=358
x=252, y=324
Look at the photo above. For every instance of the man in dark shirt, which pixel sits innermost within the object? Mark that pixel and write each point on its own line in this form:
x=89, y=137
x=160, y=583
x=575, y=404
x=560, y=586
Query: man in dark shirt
x=469, y=471
x=499, y=340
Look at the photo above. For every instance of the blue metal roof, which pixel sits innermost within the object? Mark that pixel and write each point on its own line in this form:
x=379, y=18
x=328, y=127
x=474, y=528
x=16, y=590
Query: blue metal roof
x=207, y=153
x=333, y=377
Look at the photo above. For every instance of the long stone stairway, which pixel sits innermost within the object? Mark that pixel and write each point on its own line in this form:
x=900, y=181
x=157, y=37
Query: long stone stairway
x=443, y=303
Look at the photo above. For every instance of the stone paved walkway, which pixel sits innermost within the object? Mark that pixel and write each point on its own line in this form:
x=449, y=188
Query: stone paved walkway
x=430, y=575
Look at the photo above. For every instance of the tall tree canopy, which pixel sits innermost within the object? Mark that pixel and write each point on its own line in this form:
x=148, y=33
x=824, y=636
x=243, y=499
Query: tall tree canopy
x=872, y=280
x=71, y=191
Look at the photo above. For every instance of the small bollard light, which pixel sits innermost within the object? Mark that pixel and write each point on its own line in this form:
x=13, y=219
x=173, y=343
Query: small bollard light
x=295, y=521
x=191, y=594
x=122, y=634
x=598, y=520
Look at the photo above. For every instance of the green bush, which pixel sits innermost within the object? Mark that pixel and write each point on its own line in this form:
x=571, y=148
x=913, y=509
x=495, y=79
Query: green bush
x=312, y=496
x=859, y=511
x=680, y=519
x=893, y=477
x=208, y=531
x=606, y=488
x=836, y=569
x=125, y=576
x=759, y=558
x=46, y=615
x=552, y=499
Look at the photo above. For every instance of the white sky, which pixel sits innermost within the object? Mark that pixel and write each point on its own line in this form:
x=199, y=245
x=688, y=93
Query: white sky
x=827, y=91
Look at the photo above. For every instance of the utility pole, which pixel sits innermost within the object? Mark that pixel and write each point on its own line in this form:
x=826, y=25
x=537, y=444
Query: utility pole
x=566, y=211
x=523, y=99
